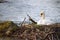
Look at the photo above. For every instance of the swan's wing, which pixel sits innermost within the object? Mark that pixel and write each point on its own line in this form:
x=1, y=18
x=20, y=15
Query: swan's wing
x=39, y=22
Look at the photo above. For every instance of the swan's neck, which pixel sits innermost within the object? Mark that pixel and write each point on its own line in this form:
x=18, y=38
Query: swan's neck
x=43, y=17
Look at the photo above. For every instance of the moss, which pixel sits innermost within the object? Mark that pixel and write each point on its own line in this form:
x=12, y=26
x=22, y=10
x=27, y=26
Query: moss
x=8, y=26
x=4, y=25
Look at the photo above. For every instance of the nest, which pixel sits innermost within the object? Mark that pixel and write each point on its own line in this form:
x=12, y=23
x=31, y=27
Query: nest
x=37, y=32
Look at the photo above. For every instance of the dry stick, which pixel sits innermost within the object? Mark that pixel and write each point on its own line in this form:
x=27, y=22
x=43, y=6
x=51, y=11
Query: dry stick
x=57, y=37
x=49, y=37
x=23, y=21
x=48, y=34
x=52, y=36
x=31, y=19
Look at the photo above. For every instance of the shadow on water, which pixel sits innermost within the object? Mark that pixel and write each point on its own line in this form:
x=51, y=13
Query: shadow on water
x=3, y=1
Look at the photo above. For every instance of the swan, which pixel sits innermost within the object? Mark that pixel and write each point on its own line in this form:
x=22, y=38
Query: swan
x=43, y=20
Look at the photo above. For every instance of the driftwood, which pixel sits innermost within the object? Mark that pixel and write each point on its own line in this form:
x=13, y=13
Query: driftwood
x=31, y=19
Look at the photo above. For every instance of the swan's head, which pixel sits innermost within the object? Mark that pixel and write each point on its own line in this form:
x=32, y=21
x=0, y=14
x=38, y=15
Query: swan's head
x=42, y=15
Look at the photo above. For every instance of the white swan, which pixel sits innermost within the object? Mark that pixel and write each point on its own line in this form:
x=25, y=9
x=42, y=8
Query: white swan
x=44, y=21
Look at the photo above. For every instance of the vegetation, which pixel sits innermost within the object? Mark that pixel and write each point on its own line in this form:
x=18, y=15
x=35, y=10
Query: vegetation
x=7, y=27
x=30, y=31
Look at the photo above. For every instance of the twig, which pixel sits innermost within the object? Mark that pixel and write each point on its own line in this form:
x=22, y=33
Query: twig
x=57, y=37
x=52, y=36
x=31, y=19
x=23, y=21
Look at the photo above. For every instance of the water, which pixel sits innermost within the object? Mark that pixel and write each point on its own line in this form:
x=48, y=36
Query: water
x=16, y=10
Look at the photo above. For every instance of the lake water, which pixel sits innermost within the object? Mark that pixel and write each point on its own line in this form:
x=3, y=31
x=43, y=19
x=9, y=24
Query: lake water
x=17, y=10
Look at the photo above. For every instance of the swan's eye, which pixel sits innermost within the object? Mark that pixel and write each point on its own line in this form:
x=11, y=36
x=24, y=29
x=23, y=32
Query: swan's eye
x=41, y=14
